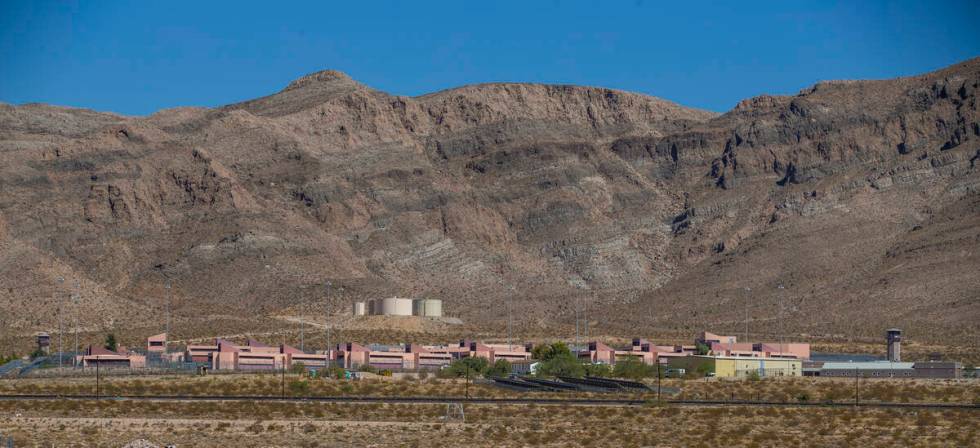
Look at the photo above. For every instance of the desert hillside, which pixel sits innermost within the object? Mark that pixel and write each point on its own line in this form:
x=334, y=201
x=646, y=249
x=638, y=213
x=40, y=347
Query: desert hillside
x=862, y=198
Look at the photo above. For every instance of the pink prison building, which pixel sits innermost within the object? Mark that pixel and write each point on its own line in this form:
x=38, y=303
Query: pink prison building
x=729, y=346
x=641, y=350
x=226, y=355
x=414, y=356
x=101, y=357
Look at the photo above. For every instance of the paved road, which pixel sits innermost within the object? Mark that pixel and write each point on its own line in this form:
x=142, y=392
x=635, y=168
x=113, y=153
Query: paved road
x=488, y=401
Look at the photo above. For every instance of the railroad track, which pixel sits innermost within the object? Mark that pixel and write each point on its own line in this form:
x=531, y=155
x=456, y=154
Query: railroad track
x=485, y=401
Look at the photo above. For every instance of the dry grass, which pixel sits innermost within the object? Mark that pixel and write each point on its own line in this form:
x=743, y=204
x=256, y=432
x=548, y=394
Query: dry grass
x=789, y=390
x=111, y=423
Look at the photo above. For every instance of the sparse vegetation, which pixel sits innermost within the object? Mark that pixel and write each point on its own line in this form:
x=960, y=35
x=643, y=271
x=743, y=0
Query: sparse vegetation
x=110, y=342
x=333, y=424
x=557, y=360
x=633, y=369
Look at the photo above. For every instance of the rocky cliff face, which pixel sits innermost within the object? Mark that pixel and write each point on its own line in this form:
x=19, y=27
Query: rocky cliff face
x=860, y=197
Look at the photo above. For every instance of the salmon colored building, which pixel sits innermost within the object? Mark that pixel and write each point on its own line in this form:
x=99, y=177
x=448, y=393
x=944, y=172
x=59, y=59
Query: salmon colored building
x=157, y=343
x=226, y=355
x=105, y=358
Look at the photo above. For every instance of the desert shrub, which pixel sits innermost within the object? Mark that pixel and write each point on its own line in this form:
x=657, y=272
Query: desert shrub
x=499, y=368
x=297, y=368
x=634, y=369
x=299, y=387
x=460, y=368
x=600, y=370
x=557, y=360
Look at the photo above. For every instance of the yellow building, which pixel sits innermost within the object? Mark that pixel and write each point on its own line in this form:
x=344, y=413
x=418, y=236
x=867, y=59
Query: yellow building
x=737, y=367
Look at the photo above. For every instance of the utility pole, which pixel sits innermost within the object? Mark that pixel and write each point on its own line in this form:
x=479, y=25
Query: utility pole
x=61, y=343
x=97, y=377
x=658, y=380
x=857, y=388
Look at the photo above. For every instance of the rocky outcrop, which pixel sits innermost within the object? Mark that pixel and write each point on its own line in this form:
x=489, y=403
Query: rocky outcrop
x=560, y=191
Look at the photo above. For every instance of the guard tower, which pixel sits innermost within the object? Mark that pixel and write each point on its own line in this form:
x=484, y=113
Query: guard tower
x=43, y=342
x=894, y=336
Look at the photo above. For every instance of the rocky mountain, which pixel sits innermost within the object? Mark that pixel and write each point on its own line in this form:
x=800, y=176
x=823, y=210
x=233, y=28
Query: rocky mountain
x=859, y=197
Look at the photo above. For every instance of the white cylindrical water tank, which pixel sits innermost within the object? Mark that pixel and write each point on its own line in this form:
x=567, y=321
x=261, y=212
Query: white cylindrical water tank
x=432, y=308
x=394, y=306
x=427, y=307
x=359, y=309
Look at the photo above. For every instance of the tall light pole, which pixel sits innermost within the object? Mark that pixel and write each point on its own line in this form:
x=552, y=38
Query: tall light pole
x=166, y=286
x=510, y=299
x=578, y=299
x=781, y=317
x=588, y=326
x=302, y=325
x=75, y=297
x=326, y=320
x=61, y=343
x=748, y=293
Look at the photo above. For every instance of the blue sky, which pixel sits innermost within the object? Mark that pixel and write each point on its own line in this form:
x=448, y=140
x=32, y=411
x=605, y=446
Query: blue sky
x=141, y=56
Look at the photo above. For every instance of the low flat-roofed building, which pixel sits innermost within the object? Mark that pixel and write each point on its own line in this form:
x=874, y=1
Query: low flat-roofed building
x=733, y=349
x=391, y=360
x=937, y=369
x=599, y=353
x=424, y=358
x=738, y=367
x=200, y=353
x=812, y=368
x=707, y=338
x=523, y=367
x=493, y=352
x=729, y=346
x=351, y=355
x=105, y=358
x=868, y=369
x=156, y=343
x=798, y=350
